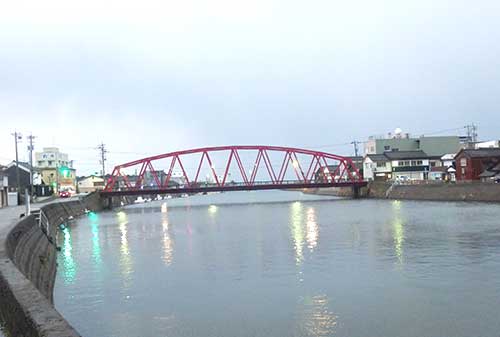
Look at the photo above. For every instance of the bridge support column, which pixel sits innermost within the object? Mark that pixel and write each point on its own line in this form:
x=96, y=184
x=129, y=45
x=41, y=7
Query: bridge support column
x=355, y=192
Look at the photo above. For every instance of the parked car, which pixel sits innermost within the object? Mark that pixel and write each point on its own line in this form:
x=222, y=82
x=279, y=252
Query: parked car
x=64, y=194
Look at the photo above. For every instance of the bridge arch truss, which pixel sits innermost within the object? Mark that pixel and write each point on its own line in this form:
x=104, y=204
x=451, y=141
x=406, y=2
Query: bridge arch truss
x=274, y=165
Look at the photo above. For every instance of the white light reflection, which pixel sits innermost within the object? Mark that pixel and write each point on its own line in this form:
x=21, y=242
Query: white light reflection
x=316, y=319
x=125, y=259
x=168, y=244
x=296, y=221
x=212, y=210
x=312, y=229
x=398, y=231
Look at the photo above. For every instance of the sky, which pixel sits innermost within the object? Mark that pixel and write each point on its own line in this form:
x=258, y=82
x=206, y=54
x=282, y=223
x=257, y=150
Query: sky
x=149, y=77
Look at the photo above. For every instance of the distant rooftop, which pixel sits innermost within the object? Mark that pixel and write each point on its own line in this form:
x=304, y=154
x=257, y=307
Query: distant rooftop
x=395, y=155
x=482, y=153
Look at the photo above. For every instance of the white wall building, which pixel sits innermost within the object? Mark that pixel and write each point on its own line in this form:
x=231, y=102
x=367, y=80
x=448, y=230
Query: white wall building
x=409, y=165
x=377, y=167
x=488, y=144
x=90, y=184
x=51, y=157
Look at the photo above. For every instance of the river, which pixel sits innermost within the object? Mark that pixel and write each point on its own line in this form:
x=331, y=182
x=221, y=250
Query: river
x=281, y=264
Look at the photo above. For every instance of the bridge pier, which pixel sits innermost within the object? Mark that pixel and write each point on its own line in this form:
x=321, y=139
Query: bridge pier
x=355, y=192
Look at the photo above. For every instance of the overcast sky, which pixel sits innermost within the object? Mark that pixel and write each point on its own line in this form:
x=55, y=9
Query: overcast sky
x=149, y=77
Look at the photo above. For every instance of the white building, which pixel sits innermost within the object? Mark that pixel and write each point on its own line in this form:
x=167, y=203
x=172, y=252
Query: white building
x=90, y=184
x=4, y=186
x=50, y=157
x=377, y=167
x=488, y=144
x=409, y=165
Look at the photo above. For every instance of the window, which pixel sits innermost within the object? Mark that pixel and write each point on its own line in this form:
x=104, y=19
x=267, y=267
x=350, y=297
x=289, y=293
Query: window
x=413, y=163
x=372, y=149
x=395, y=149
x=463, y=162
x=387, y=148
x=380, y=164
x=401, y=163
x=44, y=156
x=419, y=162
x=50, y=162
x=463, y=171
x=433, y=163
x=51, y=155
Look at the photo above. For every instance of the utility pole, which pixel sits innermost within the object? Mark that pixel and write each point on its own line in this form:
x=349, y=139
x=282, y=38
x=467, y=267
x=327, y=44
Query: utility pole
x=471, y=134
x=30, y=149
x=17, y=137
x=355, y=143
x=102, y=149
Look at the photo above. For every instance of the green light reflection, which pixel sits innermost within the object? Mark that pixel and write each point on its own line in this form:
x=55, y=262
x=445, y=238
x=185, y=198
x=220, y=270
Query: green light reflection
x=96, y=247
x=69, y=265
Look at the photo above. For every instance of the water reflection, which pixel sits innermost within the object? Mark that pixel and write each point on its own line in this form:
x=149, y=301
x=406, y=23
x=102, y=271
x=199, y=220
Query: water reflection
x=312, y=229
x=398, y=231
x=212, y=209
x=96, y=248
x=125, y=259
x=69, y=265
x=316, y=318
x=296, y=221
x=168, y=244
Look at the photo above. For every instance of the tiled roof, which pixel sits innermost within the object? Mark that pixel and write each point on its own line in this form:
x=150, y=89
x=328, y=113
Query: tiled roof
x=481, y=153
x=377, y=157
x=395, y=155
x=487, y=174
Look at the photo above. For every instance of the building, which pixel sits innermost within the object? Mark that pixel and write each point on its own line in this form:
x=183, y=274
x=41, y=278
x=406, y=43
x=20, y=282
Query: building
x=491, y=174
x=323, y=173
x=24, y=176
x=56, y=169
x=409, y=165
x=399, y=141
x=90, y=184
x=448, y=162
x=471, y=163
x=488, y=144
x=377, y=167
x=4, y=186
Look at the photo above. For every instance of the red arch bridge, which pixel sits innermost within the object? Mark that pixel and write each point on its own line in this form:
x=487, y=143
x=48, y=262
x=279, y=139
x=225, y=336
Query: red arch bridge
x=232, y=168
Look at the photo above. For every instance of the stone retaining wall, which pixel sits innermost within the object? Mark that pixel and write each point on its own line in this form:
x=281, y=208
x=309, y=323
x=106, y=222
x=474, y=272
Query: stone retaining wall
x=485, y=192
x=474, y=191
x=28, y=260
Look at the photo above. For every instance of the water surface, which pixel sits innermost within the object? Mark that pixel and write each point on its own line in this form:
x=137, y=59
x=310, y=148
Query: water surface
x=282, y=264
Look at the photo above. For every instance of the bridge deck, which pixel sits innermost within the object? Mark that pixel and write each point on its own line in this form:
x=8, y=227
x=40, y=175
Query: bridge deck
x=212, y=188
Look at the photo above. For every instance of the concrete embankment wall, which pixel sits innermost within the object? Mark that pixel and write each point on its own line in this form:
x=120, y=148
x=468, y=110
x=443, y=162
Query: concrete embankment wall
x=472, y=191
x=28, y=260
x=449, y=192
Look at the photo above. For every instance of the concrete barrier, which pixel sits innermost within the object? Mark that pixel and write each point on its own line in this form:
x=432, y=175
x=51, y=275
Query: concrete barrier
x=28, y=260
